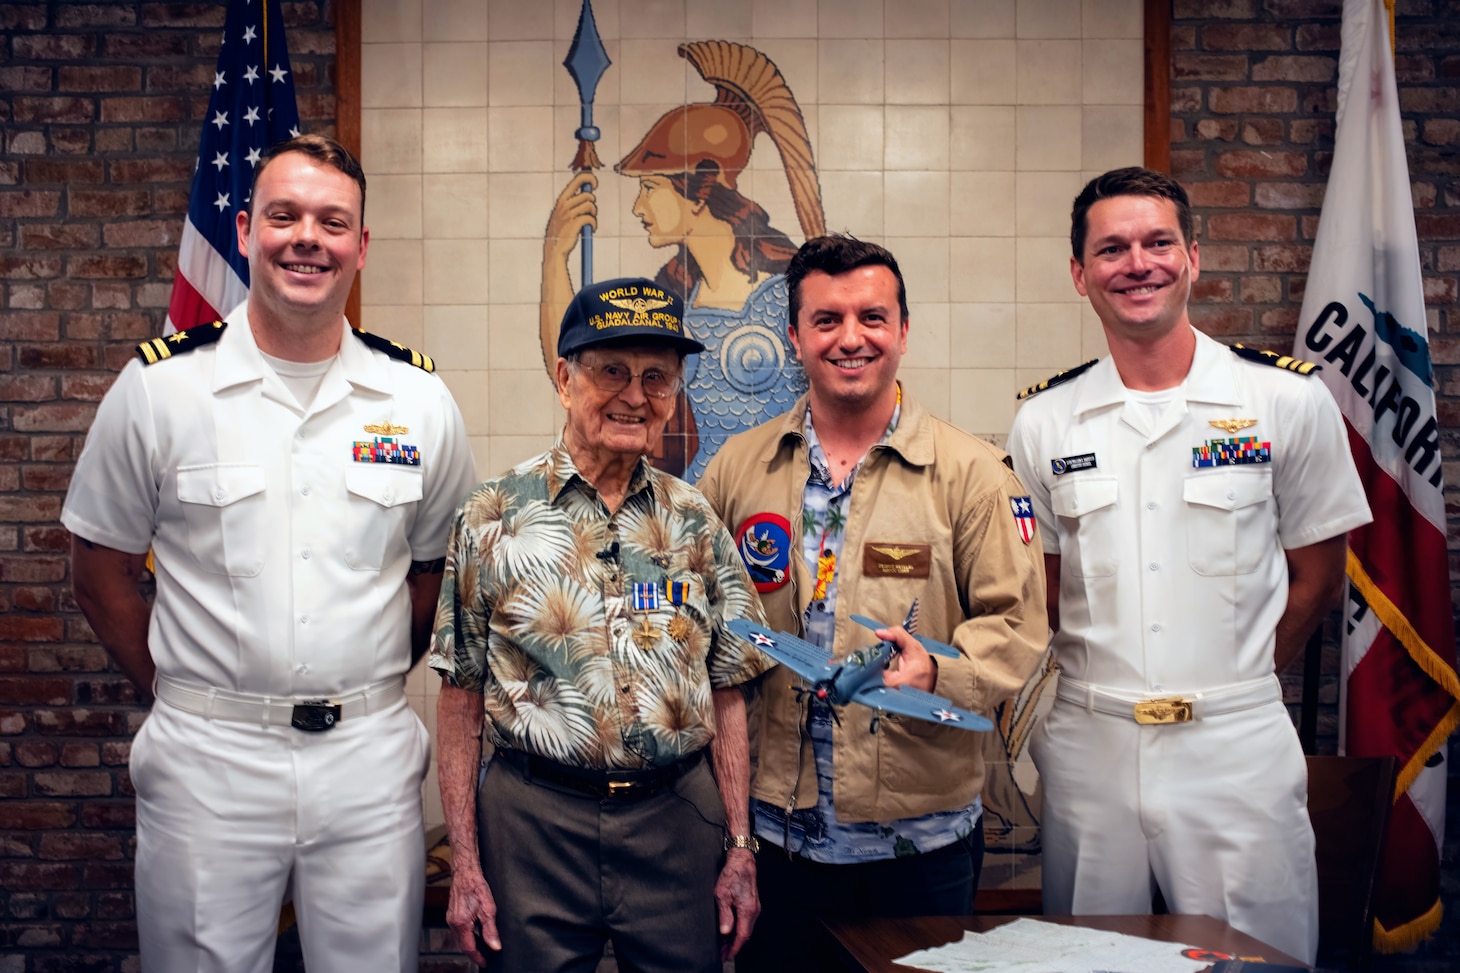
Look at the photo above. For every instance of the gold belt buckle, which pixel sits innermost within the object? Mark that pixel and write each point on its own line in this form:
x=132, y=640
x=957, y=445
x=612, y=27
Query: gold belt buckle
x=1171, y=709
x=614, y=786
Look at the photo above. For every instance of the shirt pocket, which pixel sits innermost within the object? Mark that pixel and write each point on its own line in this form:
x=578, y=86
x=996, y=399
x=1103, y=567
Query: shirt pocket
x=224, y=509
x=1089, y=541
x=1229, y=522
x=380, y=499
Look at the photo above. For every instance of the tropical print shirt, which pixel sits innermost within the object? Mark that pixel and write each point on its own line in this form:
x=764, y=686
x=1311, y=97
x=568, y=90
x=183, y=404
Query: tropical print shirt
x=595, y=639
x=815, y=832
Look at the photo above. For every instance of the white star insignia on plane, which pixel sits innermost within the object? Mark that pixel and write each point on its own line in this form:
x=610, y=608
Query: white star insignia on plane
x=946, y=715
x=760, y=638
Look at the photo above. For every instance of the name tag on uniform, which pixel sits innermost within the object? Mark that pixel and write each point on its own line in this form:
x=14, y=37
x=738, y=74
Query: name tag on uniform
x=891, y=560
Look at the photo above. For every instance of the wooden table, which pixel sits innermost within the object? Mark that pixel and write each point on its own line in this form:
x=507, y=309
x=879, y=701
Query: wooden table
x=870, y=945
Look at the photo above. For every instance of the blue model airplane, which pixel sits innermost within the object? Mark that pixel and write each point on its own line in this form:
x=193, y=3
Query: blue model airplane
x=858, y=677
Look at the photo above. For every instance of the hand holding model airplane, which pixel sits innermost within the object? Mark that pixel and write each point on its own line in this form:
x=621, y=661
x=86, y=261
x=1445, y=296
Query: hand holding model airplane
x=858, y=678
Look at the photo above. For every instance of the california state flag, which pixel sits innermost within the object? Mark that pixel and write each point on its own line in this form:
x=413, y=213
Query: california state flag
x=1363, y=319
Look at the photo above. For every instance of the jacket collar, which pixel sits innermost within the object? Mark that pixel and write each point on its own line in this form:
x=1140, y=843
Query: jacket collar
x=239, y=361
x=561, y=472
x=912, y=439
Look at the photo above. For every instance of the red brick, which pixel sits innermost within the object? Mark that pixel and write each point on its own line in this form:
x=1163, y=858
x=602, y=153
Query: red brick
x=29, y=202
x=108, y=203
x=1432, y=101
x=1216, y=258
x=58, y=355
x=1208, y=67
x=1221, y=319
x=22, y=16
x=116, y=753
x=71, y=141
x=73, y=783
x=1261, y=290
x=38, y=110
x=53, y=47
x=150, y=44
x=1186, y=100
x=13, y=79
x=1245, y=37
x=143, y=233
x=12, y=786
x=1414, y=69
x=72, y=847
x=37, y=875
x=1289, y=195
x=27, y=143
x=1292, y=259
x=1295, y=68
x=106, y=814
x=85, y=388
x=68, y=171
x=20, y=628
x=54, y=418
x=174, y=15
x=1218, y=194
x=35, y=599
x=1188, y=163
x=1268, y=101
x=76, y=658
x=51, y=449
x=105, y=691
x=111, y=294
x=59, y=236
x=312, y=42
x=80, y=755
x=27, y=388
x=1246, y=164
x=1447, y=258
x=1251, y=226
x=143, y=109
x=95, y=15
x=9, y=173
x=151, y=170
x=115, y=905
x=36, y=753
x=75, y=722
x=42, y=479
x=114, y=140
x=1438, y=226
x=1280, y=320
x=29, y=326
x=1212, y=290
x=1263, y=131
x=47, y=539
x=1223, y=129
x=75, y=905
x=184, y=78
x=29, y=266
x=99, y=876
x=1317, y=37
x=10, y=725
x=156, y=140
x=170, y=202
x=106, y=265
x=95, y=79
x=1439, y=290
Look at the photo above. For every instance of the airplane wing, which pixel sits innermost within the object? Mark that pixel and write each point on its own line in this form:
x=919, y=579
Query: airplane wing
x=934, y=647
x=920, y=705
x=798, y=655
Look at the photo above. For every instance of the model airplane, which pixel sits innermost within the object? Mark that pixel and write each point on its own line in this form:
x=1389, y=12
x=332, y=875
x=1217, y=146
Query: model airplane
x=858, y=677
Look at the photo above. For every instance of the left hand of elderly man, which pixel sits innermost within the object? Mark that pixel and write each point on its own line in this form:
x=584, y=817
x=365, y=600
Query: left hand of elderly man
x=737, y=899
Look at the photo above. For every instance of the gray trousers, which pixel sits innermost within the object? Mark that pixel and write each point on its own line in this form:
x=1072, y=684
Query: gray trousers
x=570, y=872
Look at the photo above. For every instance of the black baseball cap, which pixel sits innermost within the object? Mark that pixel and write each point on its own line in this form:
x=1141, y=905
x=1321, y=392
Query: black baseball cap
x=628, y=307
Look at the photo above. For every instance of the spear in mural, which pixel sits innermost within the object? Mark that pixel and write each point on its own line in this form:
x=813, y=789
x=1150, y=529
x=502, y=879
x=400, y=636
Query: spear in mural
x=586, y=62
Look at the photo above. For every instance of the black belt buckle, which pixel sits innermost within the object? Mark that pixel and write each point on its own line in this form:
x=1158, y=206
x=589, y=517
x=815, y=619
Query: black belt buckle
x=315, y=715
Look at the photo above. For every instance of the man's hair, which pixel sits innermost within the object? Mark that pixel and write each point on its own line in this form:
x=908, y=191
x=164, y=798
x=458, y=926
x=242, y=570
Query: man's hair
x=322, y=149
x=1131, y=181
x=837, y=253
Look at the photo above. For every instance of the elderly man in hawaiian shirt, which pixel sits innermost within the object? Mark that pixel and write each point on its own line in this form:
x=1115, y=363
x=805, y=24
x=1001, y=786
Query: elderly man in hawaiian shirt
x=583, y=614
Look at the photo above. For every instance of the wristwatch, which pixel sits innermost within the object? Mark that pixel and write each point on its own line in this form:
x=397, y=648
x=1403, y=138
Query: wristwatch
x=741, y=841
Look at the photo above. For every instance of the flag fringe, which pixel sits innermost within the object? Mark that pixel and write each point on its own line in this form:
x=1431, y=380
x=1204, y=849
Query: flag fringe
x=1425, y=657
x=1410, y=934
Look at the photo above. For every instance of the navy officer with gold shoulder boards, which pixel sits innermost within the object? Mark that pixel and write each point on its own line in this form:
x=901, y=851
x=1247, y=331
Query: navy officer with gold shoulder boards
x=1194, y=500
x=294, y=479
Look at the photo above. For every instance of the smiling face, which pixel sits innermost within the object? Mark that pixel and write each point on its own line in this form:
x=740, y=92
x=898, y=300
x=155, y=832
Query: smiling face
x=850, y=336
x=1136, y=269
x=304, y=241
x=612, y=427
x=667, y=216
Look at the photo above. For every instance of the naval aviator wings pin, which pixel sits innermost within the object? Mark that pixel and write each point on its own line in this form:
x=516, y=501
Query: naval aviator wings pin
x=1231, y=426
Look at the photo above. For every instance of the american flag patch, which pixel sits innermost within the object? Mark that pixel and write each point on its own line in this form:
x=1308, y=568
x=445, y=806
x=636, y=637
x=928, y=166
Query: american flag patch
x=387, y=451
x=1238, y=451
x=1023, y=516
x=646, y=596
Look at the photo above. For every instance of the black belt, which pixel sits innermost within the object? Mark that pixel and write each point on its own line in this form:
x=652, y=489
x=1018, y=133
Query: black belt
x=618, y=785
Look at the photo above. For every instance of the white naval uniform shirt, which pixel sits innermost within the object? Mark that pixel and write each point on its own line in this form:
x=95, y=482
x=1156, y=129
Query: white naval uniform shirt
x=281, y=560
x=1173, y=578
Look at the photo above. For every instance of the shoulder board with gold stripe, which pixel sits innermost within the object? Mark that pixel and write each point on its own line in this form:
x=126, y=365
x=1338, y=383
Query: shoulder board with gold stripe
x=396, y=350
x=1059, y=378
x=1275, y=360
x=154, y=350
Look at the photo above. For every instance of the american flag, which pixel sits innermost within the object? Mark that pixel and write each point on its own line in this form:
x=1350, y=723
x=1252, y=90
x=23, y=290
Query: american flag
x=251, y=108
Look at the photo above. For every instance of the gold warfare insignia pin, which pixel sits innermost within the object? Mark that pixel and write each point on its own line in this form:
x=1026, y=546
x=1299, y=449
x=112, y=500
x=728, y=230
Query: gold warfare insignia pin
x=646, y=636
x=896, y=553
x=680, y=628
x=641, y=306
x=1233, y=425
x=386, y=429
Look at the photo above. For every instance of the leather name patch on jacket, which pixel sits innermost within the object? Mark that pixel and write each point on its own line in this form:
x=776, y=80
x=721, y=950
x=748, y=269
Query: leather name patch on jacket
x=894, y=560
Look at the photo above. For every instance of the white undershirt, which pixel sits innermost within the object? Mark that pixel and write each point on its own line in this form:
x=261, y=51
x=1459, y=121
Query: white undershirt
x=301, y=378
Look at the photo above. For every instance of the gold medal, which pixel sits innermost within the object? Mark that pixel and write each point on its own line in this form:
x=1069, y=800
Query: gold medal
x=680, y=628
x=646, y=636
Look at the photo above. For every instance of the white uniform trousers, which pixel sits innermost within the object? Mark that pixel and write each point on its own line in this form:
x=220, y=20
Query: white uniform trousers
x=1214, y=810
x=228, y=812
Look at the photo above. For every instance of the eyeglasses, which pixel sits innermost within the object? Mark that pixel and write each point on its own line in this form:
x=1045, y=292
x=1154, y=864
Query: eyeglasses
x=615, y=377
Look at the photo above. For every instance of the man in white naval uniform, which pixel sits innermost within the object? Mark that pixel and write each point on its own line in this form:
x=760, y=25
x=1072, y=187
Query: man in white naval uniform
x=1194, y=500
x=295, y=481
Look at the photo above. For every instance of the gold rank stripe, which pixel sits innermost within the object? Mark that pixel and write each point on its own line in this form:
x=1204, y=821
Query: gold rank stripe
x=154, y=350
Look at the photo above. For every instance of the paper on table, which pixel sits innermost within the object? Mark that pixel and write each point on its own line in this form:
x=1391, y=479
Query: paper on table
x=1031, y=946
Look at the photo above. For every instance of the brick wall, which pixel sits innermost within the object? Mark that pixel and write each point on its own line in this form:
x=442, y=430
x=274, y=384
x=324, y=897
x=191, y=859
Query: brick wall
x=1253, y=92
x=101, y=107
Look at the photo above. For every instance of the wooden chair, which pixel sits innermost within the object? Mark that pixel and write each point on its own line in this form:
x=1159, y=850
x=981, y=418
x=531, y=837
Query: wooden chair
x=1349, y=799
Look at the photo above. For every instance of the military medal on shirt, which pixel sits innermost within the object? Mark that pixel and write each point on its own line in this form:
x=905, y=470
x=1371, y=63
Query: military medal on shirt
x=1236, y=451
x=650, y=596
x=386, y=446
